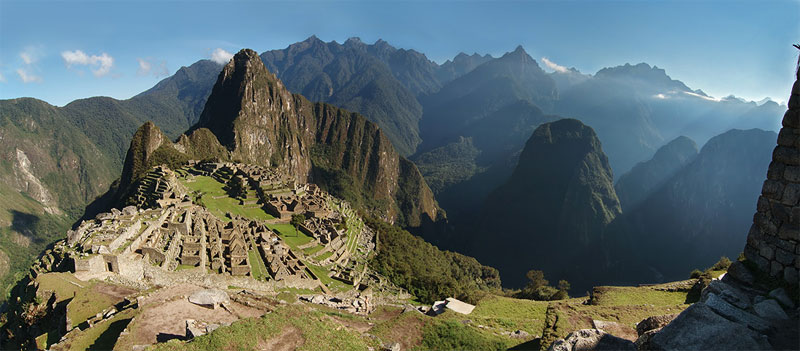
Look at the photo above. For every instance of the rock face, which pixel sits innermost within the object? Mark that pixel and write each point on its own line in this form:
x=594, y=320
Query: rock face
x=250, y=117
x=772, y=243
x=633, y=187
x=559, y=199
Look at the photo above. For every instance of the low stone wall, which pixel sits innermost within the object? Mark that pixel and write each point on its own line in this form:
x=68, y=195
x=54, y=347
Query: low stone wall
x=772, y=243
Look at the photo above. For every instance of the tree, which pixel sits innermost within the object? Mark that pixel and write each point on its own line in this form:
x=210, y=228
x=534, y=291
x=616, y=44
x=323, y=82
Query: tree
x=536, y=279
x=236, y=187
x=296, y=221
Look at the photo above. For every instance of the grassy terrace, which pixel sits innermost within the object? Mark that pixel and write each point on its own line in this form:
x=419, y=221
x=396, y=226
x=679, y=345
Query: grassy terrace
x=322, y=274
x=257, y=267
x=290, y=235
x=312, y=250
x=216, y=200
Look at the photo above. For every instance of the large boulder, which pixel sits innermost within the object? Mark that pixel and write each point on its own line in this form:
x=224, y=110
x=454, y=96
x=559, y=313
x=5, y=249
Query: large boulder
x=591, y=339
x=654, y=322
x=700, y=328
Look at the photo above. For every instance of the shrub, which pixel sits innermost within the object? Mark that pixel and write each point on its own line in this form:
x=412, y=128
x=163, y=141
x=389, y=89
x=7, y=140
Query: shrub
x=696, y=273
x=722, y=264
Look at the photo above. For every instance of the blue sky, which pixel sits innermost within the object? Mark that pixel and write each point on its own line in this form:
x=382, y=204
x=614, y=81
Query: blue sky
x=59, y=51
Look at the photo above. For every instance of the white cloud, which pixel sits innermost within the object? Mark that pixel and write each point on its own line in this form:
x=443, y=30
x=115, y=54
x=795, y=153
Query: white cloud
x=26, y=57
x=554, y=66
x=660, y=96
x=102, y=62
x=146, y=68
x=709, y=98
x=221, y=56
x=28, y=77
x=2, y=78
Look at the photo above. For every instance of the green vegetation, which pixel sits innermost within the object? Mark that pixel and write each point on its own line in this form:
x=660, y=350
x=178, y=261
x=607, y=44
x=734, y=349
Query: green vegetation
x=290, y=235
x=293, y=325
x=215, y=198
x=425, y=271
x=510, y=314
x=310, y=251
x=102, y=336
x=324, y=256
x=257, y=267
x=322, y=274
x=454, y=335
x=632, y=296
x=538, y=288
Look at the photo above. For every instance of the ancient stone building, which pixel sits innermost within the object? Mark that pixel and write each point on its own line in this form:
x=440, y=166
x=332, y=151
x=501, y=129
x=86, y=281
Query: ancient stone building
x=772, y=243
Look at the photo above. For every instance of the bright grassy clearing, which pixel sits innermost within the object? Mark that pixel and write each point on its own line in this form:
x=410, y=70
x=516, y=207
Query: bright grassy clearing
x=290, y=235
x=324, y=256
x=219, y=203
x=63, y=284
x=310, y=251
x=322, y=274
x=631, y=296
x=511, y=314
x=257, y=267
x=86, y=304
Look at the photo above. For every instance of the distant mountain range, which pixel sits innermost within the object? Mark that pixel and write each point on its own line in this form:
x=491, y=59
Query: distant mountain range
x=464, y=123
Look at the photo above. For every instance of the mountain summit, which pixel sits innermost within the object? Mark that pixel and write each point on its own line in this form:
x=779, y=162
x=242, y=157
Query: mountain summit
x=251, y=117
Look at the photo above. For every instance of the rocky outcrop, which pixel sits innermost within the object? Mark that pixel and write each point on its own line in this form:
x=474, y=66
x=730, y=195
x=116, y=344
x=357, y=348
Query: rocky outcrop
x=591, y=339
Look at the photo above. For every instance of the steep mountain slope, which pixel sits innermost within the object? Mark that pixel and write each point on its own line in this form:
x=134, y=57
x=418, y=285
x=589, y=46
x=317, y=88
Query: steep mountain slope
x=636, y=185
x=49, y=171
x=377, y=81
x=704, y=211
x=491, y=86
x=636, y=108
x=257, y=120
x=552, y=209
x=460, y=65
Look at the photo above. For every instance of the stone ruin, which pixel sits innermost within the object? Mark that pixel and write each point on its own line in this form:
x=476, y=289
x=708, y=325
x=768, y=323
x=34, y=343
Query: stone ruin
x=170, y=232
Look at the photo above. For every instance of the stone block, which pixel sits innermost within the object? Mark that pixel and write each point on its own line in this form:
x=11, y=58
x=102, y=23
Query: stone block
x=791, y=173
x=772, y=189
x=762, y=205
x=786, y=155
x=790, y=274
x=766, y=252
x=794, y=216
x=725, y=309
x=782, y=297
x=739, y=271
x=769, y=309
x=765, y=224
x=776, y=170
x=775, y=269
x=787, y=137
x=779, y=213
x=791, y=194
x=791, y=119
x=787, y=245
x=789, y=232
x=784, y=257
x=761, y=262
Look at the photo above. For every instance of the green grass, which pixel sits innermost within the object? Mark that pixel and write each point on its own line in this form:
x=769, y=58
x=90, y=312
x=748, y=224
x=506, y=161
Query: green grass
x=290, y=235
x=210, y=188
x=630, y=295
x=63, y=284
x=455, y=335
x=86, y=304
x=324, y=256
x=322, y=274
x=102, y=336
x=310, y=251
x=317, y=332
x=257, y=267
x=510, y=314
